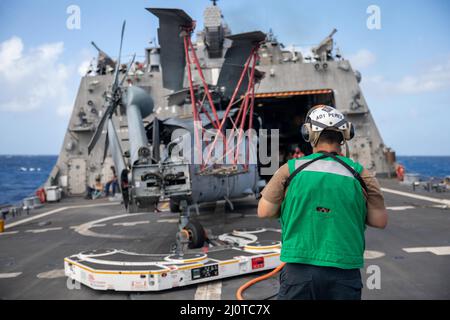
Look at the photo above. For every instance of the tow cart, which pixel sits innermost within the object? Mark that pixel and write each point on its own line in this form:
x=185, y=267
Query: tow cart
x=243, y=252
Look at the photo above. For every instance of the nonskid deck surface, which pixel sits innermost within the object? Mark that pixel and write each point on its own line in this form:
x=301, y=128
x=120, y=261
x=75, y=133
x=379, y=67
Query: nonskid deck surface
x=412, y=253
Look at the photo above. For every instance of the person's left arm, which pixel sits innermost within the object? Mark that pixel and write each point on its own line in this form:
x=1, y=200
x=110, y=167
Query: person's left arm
x=377, y=216
x=273, y=194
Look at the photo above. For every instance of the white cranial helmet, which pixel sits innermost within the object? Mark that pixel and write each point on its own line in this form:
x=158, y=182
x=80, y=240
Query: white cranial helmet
x=323, y=117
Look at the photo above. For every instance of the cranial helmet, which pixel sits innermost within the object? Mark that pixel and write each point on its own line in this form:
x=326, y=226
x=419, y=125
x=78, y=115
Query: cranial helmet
x=323, y=117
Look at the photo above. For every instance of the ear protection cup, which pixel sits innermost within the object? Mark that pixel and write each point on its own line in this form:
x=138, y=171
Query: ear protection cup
x=306, y=132
x=349, y=133
x=352, y=131
x=306, y=129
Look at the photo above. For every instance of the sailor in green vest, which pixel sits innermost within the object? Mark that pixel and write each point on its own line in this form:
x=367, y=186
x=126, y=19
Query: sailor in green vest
x=324, y=202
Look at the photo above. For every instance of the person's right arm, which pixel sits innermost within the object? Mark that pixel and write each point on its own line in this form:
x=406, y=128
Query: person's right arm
x=273, y=194
x=376, y=210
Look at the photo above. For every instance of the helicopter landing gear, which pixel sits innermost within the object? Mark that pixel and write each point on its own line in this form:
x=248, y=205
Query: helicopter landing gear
x=132, y=207
x=196, y=233
x=228, y=204
x=174, y=205
x=191, y=233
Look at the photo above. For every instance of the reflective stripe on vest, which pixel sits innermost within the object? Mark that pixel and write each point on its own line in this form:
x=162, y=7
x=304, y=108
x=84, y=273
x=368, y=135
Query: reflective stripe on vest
x=327, y=166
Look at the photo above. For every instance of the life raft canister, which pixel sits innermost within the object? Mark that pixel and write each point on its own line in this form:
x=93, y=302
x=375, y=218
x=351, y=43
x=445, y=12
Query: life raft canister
x=40, y=193
x=400, y=171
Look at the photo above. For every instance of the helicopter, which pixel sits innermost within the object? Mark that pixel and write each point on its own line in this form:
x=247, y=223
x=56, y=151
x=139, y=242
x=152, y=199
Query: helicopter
x=224, y=168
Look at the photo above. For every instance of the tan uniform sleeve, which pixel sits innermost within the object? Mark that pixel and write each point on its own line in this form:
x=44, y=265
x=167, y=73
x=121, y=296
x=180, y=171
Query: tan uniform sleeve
x=375, y=199
x=274, y=190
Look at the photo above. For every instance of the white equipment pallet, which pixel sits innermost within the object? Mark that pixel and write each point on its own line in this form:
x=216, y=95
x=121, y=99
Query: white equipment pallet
x=119, y=270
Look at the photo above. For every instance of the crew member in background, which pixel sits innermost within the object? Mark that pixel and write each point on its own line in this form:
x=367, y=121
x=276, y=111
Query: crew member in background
x=400, y=171
x=324, y=202
x=113, y=183
x=96, y=191
x=297, y=153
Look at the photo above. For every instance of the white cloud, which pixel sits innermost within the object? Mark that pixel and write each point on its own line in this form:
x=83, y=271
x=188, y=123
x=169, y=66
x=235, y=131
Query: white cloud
x=10, y=51
x=429, y=80
x=362, y=59
x=33, y=79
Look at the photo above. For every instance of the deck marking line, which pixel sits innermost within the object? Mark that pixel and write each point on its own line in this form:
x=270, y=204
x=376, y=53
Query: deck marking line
x=9, y=275
x=52, y=274
x=440, y=206
x=439, y=251
x=45, y=214
x=416, y=196
x=130, y=224
x=84, y=228
x=94, y=226
x=400, y=208
x=371, y=254
x=167, y=221
x=43, y=230
x=8, y=232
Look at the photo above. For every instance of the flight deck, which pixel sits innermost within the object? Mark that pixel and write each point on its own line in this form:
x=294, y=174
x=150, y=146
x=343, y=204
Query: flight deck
x=412, y=253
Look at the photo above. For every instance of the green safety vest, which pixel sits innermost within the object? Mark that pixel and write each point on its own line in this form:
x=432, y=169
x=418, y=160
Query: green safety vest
x=323, y=215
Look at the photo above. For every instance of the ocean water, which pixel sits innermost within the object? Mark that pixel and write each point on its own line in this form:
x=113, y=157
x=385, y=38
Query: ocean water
x=20, y=176
x=427, y=167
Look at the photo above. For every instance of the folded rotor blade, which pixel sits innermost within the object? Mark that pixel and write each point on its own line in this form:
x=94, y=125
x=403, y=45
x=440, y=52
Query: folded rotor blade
x=178, y=97
x=116, y=150
x=128, y=69
x=112, y=103
x=235, y=59
x=105, y=150
x=116, y=72
x=99, y=130
x=173, y=60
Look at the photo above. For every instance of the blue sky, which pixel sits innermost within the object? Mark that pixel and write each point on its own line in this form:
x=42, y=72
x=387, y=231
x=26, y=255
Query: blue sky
x=405, y=65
